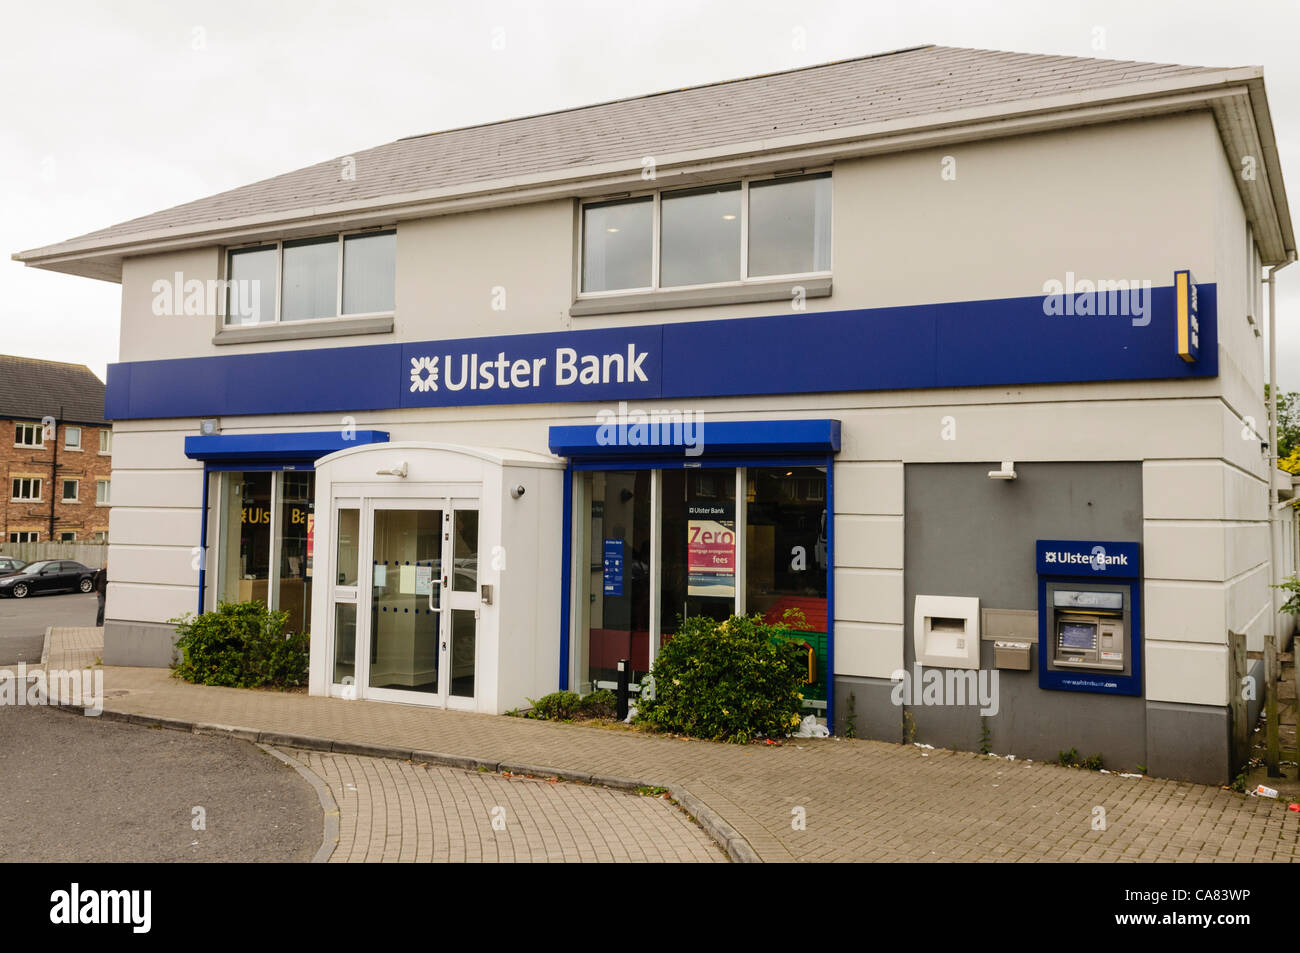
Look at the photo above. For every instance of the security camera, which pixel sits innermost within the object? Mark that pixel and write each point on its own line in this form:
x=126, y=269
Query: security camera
x=516, y=491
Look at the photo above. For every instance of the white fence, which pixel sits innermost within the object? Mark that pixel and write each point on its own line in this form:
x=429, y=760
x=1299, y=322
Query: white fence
x=90, y=553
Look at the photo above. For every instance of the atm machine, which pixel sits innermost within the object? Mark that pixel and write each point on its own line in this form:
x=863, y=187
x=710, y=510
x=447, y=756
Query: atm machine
x=1089, y=616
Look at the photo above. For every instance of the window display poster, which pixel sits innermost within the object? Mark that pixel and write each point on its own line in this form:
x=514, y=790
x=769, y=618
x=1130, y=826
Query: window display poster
x=711, y=549
x=423, y=579
x=613, y=584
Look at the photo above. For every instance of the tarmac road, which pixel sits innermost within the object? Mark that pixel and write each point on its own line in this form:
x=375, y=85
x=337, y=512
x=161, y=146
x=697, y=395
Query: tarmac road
x=83, y=790
x=23, y=622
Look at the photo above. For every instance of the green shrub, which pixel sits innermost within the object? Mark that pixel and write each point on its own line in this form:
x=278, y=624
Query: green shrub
x=726, y=681
x=242, y=645
x=566, y=706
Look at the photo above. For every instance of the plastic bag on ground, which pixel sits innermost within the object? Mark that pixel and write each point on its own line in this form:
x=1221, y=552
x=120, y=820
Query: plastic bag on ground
x=808, y=728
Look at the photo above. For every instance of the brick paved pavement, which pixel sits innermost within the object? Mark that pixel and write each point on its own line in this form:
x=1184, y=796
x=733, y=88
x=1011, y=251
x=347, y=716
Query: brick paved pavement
x=863, y=800
x=401, y=811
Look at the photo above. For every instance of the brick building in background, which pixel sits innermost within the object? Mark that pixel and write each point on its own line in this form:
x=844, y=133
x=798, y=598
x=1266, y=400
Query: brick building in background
x=55, y=452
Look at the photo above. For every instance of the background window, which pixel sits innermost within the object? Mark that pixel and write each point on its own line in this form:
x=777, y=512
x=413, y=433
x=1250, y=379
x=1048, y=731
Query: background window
x=72, y=438
x=106, y=441
x=24, y=537
x=369, y=273
x=27, y=488
x=70, y=490
x=250, y=297
x=700, y=236
x=790, y=225
x=101, y=536
x=28, y=435
x=311, y=279
x=67, y=536
x=102, y=492
x=617, y=245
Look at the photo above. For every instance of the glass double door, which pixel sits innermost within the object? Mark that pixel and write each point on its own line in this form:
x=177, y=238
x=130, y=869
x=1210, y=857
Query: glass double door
x=419, y=601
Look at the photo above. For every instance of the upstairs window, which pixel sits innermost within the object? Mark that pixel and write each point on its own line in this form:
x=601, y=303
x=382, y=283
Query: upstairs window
x=714, y=235
x=106, y=441
x=72, y=438
x=309, y=279
x=29, y=435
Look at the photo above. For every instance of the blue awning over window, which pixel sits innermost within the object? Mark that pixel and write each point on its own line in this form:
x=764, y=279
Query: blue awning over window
x=621, y=438
x=276, y=448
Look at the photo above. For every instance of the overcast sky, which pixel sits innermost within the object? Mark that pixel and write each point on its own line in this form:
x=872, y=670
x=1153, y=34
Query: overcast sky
x=115, y=110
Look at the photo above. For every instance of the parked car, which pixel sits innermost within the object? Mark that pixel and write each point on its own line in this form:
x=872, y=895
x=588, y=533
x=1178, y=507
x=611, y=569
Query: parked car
x=10, y=564
x=49, y=575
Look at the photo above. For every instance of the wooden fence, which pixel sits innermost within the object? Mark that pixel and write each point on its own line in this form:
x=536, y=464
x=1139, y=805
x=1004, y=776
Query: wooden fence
x=90, y=553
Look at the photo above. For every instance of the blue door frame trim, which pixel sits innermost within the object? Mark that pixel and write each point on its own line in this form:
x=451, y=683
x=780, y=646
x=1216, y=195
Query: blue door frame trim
x=992, y=342
x=275, y=449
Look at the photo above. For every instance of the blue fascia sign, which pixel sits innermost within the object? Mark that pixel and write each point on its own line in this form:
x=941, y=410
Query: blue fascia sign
x=995, y=342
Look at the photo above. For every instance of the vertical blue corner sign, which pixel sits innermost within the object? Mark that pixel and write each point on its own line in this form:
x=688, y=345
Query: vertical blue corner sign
x=1085, y=585
x=613, y=578
x=1187, y=316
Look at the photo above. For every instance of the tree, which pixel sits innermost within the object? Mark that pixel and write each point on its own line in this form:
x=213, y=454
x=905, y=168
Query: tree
x=1288, y=423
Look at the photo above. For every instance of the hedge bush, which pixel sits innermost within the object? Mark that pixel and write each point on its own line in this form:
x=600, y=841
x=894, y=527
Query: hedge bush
x=566, y=706
x=241, y=645
x=726, y=681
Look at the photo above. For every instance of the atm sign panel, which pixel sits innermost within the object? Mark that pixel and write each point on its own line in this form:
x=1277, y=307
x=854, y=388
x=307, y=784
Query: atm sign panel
x=1189, y=328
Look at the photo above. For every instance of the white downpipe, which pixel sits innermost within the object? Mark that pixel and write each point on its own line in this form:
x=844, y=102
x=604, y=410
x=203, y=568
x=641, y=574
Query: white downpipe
x=1273, y=392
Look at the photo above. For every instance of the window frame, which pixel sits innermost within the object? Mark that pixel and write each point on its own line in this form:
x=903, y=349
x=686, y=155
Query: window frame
x=108, y=492
x=76, y=495
x=656, y=237
x=105, y=432
x=15, y=534
x=35, y=485
x=67, y=536
x=21, y=426
x=68, y=430
x=340, y=239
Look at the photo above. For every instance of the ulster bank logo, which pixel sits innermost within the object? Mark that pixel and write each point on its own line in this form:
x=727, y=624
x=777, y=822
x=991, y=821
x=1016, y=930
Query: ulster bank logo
x=424, y=374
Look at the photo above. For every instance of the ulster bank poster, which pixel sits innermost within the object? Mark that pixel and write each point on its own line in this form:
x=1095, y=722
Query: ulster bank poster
x=711, y=549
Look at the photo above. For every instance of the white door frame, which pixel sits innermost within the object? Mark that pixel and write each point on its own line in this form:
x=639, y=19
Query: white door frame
x=447, y=498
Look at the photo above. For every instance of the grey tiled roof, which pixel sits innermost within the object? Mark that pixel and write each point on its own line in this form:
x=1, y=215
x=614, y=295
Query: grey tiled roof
x=32, y=389
x=915, y=82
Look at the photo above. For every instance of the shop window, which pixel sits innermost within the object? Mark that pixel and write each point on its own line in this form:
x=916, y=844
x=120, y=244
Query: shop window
x=700, y=236
x=698, y=566
x=785, y=544
x=299, y=280
x=246, y=542
x=765, y=553
x=617, y=611
x=294, y=546
x=29, y=435
x=72, y=438
x=777, y=227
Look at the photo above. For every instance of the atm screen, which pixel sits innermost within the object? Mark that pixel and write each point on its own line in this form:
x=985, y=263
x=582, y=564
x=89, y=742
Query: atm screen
x=1075, y=635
